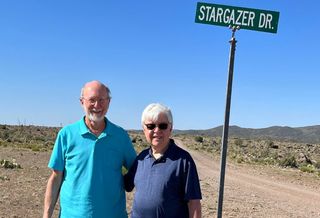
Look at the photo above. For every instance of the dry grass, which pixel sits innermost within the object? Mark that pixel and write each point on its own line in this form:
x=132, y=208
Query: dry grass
x=240, y=150
x=266, y=152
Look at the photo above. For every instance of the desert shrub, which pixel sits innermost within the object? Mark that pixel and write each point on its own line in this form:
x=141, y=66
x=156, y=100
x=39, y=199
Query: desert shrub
x=49, y=144
x=198, y=139
x=205, y=145
x=35, y=148
x=214, y=142
x=134, y=140
x=269, y=161
x=39, y=138
x=240, y=159
x=3, y=178
x=9, y=164
x=209, y=149
x=308, y=168
x=264, y=153
x=238, y=142
x=317, y=164
x=5, y=135
x=139, y=146
x=289, y=160
x=271, y=144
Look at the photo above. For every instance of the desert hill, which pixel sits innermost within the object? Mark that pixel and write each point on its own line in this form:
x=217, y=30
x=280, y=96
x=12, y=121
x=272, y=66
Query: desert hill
x=308, y=134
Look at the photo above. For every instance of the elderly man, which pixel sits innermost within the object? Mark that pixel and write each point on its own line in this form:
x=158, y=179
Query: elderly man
x=87, y=162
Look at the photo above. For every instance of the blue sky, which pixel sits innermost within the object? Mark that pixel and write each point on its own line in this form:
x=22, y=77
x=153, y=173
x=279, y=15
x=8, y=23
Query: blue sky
x=153, y=51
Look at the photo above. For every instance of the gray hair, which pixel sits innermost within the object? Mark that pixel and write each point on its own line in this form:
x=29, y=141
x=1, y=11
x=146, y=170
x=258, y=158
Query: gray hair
x=103, y=85
x=152, y=112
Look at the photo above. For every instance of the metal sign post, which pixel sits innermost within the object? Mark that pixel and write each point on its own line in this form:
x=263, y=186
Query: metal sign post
x=225, y=132
x=236, y=18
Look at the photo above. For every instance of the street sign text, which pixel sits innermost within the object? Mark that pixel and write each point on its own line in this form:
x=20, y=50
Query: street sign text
x=245, y=18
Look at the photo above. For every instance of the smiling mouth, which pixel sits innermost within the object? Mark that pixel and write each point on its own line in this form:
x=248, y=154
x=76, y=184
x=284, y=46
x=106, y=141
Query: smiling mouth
x=95, y=111
x=157, y=138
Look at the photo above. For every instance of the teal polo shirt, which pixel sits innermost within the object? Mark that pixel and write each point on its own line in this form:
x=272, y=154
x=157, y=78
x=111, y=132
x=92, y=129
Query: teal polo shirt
x=92, y=184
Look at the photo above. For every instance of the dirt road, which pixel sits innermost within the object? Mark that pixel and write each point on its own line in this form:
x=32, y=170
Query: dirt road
x=252, y=191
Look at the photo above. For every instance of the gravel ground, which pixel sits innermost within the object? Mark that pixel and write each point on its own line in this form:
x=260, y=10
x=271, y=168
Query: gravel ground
x=250, y=191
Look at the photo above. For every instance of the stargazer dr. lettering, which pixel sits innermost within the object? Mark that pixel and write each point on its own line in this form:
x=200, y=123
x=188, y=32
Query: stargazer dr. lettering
x=235, y=17
x=245, y=18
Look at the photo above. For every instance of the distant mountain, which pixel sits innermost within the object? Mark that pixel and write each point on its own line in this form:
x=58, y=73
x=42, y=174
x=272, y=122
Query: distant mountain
x=308, y=134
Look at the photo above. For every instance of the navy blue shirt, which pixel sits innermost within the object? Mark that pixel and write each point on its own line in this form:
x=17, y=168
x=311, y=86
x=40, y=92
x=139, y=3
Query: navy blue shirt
x=163, y=186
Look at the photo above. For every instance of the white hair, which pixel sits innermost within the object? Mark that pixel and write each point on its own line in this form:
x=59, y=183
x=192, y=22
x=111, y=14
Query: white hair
x=103, y=85
x=152, y=112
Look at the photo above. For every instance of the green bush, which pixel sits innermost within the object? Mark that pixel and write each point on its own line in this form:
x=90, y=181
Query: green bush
x=288, y=161
x=238, y=142
x=198, y=139
x=3, y=178
x=9, y=164
x=240, y=159
x=317, y=164
x=308, y=168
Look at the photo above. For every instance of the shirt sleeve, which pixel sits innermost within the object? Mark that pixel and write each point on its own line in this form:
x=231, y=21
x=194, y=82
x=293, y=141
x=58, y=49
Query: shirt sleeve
x=57, y=159
x=129, y=177
x=192, y=184
x=130, y=153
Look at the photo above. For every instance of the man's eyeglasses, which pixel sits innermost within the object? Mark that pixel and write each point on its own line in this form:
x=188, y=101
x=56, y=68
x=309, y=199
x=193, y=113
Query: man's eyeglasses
x=92, y=101
x=152, y=126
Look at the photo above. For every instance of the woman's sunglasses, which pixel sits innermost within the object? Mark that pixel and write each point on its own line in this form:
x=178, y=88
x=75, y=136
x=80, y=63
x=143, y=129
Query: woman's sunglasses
x=162, y=126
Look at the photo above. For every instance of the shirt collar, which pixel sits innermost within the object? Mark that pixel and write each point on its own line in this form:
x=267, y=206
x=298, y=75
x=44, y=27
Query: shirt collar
x=85, y=130
x=167, y=152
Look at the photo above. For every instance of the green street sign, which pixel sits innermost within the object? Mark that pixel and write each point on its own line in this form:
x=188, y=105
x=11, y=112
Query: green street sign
x=245, y=18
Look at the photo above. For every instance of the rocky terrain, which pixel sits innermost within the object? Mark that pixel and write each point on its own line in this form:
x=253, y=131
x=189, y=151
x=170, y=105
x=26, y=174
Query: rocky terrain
x=264, y=178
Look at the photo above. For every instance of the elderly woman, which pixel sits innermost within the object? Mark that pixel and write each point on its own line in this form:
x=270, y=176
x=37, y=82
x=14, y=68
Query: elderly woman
x=164, y=175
